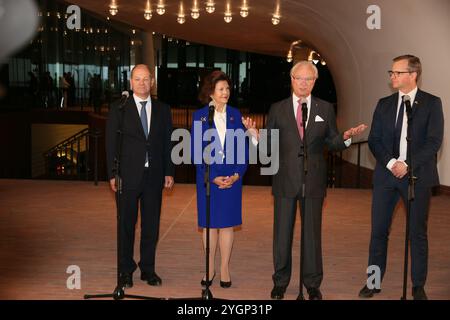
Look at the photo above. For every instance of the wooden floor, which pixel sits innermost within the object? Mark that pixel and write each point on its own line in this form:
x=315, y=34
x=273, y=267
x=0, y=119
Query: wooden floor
x=46, y=226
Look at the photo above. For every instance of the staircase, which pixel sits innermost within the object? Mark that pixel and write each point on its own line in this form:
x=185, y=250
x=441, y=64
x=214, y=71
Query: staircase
x=69, y=159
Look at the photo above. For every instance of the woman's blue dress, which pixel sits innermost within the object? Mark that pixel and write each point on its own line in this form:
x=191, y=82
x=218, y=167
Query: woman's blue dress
x=226, y=204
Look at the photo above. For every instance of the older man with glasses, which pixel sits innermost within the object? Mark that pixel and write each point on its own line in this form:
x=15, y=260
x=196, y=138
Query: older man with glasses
x=290, y=186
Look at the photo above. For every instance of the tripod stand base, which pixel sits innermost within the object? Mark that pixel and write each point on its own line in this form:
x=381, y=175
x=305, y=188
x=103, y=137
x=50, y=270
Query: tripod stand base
x=119, y=294
x=207, y=294
x=300, y=296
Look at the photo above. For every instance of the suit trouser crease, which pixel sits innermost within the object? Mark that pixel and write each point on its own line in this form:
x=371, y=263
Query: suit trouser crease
x=149, y=198
x=384, y=201
x=284, y=221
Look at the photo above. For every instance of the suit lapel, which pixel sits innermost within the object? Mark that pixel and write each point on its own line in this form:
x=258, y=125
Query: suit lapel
x=418, y=102
x=312, y=117
x=392, y=115
x=135, y=118
x=154, y=115
x=288, y=108
x=229, y=124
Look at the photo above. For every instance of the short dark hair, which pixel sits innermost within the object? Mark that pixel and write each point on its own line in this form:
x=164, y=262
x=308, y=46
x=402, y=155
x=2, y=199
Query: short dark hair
x=209, y=85
x=414, y=64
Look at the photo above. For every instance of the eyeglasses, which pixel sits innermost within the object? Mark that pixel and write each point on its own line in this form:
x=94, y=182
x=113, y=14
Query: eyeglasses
x=397, y=73
x=308, y=80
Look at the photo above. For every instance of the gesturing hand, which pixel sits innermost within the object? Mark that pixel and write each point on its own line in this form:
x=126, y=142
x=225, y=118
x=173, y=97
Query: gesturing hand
x=354, y=131
x=250, y=125
x=168, y=182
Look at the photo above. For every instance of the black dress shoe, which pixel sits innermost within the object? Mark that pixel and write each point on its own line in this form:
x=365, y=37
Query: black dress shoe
x=314, y=294
x=365, y=292
x=203, y=282
x=419, y=293
x=225, y=284
x=126, y=280
x=277, y=293
x=152, y=279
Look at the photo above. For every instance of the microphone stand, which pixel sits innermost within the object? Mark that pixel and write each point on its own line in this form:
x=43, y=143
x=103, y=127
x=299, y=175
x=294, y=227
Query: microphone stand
x=119, y=291
x=305, y=170
x=206, y=293
x=411, y=193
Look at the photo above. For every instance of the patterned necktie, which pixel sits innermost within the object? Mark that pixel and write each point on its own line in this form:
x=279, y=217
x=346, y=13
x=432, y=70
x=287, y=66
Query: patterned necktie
x=398, y=131
x=144, y=118
x=300, y=119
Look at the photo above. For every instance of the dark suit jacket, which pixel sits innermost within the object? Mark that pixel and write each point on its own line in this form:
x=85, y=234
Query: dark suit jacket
x=135, y=145
x=289, y=179
x=428, y=131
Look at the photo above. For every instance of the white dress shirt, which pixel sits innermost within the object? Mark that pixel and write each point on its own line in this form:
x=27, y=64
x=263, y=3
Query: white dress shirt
x=403, y=143
x=295, y=99
x=220, y=120
x=148, y=109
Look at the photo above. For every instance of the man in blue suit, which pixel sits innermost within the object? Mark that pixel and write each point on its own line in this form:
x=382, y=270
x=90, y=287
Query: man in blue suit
x=387, y=141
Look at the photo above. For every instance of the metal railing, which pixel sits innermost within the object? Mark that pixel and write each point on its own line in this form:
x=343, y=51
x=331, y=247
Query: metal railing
x=335, y=167
x=70, y=159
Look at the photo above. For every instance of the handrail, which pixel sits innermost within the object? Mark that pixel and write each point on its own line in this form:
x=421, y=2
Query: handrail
x=66, y=141
x=358, y=162
x=72, y=145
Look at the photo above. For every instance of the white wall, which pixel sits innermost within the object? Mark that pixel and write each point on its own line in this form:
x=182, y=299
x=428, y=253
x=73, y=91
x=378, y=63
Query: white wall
x=359, y=58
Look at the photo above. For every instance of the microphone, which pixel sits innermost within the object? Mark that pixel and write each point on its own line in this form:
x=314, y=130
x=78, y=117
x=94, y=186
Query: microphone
x=124, y=98
x=125, y=95
x=407, y=102
x=211, y=112
x=304, y=104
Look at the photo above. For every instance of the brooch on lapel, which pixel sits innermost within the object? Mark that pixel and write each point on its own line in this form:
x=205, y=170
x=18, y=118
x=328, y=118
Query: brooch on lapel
x=203, y=119
x=231, y=119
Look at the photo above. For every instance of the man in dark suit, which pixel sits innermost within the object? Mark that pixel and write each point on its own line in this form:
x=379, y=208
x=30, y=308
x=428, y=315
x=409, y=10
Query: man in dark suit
x=145, y=168
x=387, y=141
x=321, y=132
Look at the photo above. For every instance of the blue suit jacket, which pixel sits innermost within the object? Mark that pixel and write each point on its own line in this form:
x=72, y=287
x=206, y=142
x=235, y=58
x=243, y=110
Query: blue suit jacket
x=226, y=204
x=428, y=131
x=239, y=158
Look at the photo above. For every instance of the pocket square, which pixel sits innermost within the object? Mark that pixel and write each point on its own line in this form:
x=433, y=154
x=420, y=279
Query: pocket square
x=319, y=119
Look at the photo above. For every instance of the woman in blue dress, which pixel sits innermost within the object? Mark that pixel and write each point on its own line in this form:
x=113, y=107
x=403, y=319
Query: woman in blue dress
x=228, y=151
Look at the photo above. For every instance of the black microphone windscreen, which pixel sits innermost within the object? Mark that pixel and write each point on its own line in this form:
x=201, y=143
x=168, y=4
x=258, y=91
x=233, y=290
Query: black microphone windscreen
x=211, y=112
x=407, y=101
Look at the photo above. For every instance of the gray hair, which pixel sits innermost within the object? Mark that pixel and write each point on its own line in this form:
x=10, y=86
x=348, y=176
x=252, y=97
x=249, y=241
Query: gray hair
x=305, y=63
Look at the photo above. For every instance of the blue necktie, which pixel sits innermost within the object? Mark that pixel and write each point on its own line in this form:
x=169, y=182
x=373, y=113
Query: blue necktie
x=398, y=130
x=144, y=124
x=144, y=118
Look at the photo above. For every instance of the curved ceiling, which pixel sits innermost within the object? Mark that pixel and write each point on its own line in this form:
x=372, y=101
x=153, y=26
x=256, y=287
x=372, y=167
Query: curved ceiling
x=357, y=56
x=255, y=33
